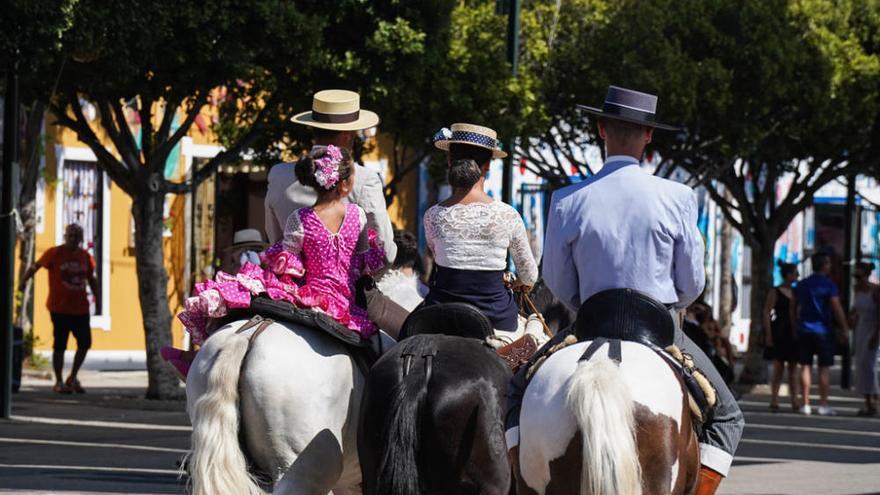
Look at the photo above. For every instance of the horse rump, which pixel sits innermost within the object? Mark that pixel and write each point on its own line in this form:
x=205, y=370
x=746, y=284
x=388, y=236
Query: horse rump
x=431, y=419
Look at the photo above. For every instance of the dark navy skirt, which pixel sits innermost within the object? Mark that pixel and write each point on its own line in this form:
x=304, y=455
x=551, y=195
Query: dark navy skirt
x=483, y=289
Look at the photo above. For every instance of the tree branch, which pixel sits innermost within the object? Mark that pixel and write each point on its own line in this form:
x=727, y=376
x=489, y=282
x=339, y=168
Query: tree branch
x=165, y=148
x=116, y=170
x=127, y=137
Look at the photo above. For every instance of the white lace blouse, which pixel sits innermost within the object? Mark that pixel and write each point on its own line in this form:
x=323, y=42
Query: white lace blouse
x=476, y=236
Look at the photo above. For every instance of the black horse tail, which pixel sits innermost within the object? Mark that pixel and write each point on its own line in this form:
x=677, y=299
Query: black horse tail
x=399, y=467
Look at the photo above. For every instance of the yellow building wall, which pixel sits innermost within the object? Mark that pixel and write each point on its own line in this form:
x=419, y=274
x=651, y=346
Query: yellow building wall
x=125, y=331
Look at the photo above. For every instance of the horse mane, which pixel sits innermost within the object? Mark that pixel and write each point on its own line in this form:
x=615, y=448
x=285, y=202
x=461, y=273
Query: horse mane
x=401, y=433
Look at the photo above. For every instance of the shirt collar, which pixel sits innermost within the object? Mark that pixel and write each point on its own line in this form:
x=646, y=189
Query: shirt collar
x=617, y=162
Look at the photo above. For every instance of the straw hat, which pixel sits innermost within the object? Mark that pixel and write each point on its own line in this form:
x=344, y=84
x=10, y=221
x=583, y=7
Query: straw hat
x=474, y=135
x=337, y=110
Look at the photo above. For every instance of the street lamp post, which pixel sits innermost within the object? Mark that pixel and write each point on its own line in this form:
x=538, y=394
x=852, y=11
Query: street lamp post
x=512, y=9
x=7, y=236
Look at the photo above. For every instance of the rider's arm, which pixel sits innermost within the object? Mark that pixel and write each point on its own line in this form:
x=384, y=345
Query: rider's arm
x=559, y=271
x=688, y=274
x=371, y=197
x=274, y=230
x=521, y=252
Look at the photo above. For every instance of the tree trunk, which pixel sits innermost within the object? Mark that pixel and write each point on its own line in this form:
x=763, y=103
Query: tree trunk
x=725, y=303
x=762, y=280
x=153, y=292
x=27, y=208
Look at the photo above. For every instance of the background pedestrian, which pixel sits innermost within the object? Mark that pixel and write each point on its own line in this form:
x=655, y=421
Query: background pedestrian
x=817, y=304
x=866, y=332
x=70, y=268
x=781, y=345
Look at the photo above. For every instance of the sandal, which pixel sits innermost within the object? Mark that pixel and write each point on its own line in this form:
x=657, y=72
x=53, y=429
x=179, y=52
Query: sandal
x=867, y=412
x=74, y=385
x=61, y=388
x=774, y=407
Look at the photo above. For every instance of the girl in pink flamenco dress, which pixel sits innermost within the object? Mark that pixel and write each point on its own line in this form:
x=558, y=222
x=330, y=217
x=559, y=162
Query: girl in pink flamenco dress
x=326, y=248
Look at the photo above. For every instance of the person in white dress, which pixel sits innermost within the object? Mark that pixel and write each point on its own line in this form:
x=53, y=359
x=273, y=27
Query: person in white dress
x=866, y=312
x=470, y=234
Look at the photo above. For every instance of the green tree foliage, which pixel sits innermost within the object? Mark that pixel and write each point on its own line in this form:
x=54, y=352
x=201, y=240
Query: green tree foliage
x=766, y=90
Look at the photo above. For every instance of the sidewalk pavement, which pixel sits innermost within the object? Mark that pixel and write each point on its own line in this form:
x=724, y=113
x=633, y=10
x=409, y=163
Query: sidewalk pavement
x=108, y=440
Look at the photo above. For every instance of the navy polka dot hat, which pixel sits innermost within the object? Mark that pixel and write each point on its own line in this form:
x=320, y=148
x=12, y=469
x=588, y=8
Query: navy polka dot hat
x=471, y=134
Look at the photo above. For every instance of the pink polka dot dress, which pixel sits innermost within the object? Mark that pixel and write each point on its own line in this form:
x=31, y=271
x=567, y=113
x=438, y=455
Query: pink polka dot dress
x=312, y=268
x=332, y=262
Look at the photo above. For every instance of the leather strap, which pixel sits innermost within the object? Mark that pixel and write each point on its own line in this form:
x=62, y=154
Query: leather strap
x=614, y=350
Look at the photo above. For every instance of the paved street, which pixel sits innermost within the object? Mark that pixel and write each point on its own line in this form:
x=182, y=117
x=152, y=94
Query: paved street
x=109, y=440
x=112, y=441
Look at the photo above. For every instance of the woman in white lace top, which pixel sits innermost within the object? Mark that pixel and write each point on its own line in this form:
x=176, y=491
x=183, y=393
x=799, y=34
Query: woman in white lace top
x=470, y=234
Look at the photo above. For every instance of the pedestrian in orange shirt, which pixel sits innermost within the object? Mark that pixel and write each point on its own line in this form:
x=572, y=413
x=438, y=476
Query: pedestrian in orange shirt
x=70, y=267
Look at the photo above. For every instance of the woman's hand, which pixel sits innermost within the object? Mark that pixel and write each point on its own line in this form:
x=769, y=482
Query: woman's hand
x=769, y=339
x=515, y=284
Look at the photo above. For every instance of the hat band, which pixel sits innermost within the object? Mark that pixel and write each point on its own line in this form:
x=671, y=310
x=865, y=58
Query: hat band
x=474, y=138
x=611, y=108
x=335, y=118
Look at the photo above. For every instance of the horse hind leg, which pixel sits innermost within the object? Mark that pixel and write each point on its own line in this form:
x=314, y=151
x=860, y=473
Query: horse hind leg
x=315, y=470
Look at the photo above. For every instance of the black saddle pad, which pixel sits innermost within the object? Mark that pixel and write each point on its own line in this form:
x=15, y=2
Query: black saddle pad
x=455, y=319
x=283, y=311
x=625, y=314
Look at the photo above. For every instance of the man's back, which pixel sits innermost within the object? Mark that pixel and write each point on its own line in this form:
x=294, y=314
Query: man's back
x=814, y=295
x=624, y=229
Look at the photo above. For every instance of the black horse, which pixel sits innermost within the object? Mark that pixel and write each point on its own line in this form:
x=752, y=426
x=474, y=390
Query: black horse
x=432, y=413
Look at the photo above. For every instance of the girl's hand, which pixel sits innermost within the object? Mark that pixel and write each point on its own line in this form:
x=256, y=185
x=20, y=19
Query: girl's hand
x=769, y=340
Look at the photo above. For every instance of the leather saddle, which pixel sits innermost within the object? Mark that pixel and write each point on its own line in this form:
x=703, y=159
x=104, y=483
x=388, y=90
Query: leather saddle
x=455, y=319
x=283, y=311
x=625, y=314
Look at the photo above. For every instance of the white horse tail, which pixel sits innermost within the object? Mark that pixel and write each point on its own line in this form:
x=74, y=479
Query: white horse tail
x=217, y=464
x=603, y=409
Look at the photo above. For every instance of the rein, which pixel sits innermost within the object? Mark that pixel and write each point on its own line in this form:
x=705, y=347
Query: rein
x=524, y=297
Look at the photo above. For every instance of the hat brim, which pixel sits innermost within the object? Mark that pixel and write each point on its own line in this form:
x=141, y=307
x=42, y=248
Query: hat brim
x=443, y=144
x=247, y=245
x=655, y=125
x=366, y=120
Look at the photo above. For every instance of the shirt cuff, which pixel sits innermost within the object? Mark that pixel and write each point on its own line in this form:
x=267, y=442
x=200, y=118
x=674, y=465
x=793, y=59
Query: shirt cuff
x=715, y=459
x=511, y=436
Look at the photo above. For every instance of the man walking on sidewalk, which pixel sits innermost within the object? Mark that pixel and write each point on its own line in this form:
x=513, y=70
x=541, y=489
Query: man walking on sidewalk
x=70, y=267
x=816, y=305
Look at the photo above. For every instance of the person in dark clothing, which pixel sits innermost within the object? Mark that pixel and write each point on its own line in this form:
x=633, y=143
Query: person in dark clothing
x=780, y=337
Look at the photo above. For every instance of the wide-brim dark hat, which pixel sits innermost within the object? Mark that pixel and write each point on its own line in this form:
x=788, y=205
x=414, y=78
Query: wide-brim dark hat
x=630, y=106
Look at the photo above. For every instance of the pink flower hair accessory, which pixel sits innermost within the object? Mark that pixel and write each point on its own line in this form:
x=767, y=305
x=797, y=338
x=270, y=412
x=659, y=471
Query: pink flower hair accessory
x=327, y=167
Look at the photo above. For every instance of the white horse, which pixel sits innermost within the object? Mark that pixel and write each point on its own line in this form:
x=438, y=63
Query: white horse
x=292, y=398
x=602, y=427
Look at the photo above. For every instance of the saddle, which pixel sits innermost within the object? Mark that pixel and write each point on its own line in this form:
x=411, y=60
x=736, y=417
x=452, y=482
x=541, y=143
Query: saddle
x=625, y=314
x=619, y=315
x=455, y=319
x=285, y=312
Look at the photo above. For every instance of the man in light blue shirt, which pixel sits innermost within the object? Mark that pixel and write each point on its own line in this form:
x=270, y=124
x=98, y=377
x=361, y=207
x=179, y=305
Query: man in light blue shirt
x=625, y=228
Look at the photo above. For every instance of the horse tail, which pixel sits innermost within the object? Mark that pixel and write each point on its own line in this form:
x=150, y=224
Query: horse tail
x=217, y=463
x=398, y=468
x=602, y=406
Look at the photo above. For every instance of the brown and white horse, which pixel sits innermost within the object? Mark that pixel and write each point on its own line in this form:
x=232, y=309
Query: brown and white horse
x=601, y=427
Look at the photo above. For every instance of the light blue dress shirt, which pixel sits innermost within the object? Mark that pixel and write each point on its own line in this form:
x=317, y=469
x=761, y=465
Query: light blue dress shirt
x=624, y=228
